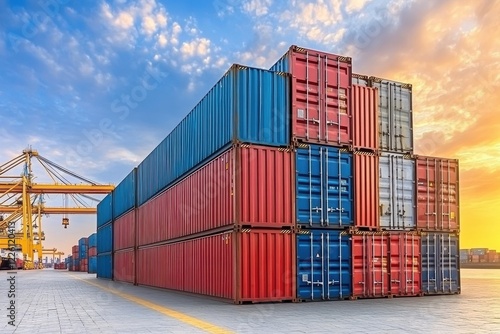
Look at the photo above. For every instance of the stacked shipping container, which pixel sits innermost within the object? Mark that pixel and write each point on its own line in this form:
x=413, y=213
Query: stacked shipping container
x=306, y=170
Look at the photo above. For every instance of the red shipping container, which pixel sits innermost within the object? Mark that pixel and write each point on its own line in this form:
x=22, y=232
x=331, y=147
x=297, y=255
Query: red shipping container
x=321, y=89
x=123, y=265
x=124, y=231
x=437, y=194
x=365, y=118
x=366, y=190
x=386, y=264
x=74, y=249
x=92, y=251
x=244, y=186
x=248, y=266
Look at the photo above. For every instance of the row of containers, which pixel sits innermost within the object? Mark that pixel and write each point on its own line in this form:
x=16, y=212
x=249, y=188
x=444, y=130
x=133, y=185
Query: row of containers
x=479, y=255
x=295, y=172
x=84, y=255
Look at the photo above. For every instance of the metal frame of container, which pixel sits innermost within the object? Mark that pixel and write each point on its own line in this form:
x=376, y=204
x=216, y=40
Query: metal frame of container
x=397, y=191
x=366, y=190
x=246, y=186
x=324, y=187
x=440, y=263
x=386, y=264
x=323, y=265
x=438, y=187
x=320, y=90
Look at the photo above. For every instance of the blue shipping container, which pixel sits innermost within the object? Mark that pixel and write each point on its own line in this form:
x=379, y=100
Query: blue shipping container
x=105, y=239
x=247, y=105
x=324, y=187
x=124, y=195
x=92, y=240
x=323, y=265
x=105, y=210
x=105, y=266
x=92, y=265
x=440, y=263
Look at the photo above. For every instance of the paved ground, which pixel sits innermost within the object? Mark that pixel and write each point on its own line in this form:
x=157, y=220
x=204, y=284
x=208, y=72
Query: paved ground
x=49, y=301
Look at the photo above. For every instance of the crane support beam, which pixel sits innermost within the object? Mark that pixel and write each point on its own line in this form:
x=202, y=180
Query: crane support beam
x=40, y=188
x=49, y=210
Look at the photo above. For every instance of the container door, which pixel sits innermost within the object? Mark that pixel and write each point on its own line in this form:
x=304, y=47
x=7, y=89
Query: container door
x=323, y=261
x=324, y=187
x=320, y=89
x=310, y=266
x=395, y=116
x=397, y=187
x=448, y=195
x=370, y=265
x=338, y=201
x=448, y=264
x=427, y=197
x=338, y=265
x=405, y=264
x=429, y=263
x=309, y=186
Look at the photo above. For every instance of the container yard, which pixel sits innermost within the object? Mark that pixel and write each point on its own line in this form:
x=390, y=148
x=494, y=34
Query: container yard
x=302, y=186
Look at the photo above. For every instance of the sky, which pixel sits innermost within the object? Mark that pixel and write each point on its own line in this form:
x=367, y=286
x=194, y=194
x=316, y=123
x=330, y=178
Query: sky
x=95, y=86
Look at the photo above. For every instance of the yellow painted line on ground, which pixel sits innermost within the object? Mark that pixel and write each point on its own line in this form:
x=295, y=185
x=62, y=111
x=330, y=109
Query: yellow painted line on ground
x=195, y=322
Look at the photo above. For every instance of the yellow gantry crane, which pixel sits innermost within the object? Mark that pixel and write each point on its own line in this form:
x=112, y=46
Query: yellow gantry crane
x=21, y=201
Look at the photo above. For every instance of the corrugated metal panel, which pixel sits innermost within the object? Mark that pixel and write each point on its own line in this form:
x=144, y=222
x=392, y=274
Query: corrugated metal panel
x=386, y=264
x=92, y=265
x=437, y=194
x=321, y=93
x=123, y=265
x=395, y=115
x=105, y=266
x=253, y=265
x=124, y=194
x=247, y=105
x=323, y=265
x=92, y=240
x=397, y=191
x=105, y=210
x=440, y=263
x=365, y=118
x=324, y=189
x=105, y=239
x=124, y=231
x=249, y=185
x=366, y=190
x=168, y=275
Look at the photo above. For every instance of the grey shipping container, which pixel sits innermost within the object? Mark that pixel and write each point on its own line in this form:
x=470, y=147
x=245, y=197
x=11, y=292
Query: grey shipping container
x=397, y=191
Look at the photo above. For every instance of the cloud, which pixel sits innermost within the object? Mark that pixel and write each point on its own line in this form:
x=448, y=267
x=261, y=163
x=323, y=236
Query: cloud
x=197, y=47
x=257, y=7
x=124, y=20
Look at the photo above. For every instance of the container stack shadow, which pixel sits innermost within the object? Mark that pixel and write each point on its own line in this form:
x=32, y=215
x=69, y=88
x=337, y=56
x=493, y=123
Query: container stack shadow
x=297, y=183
